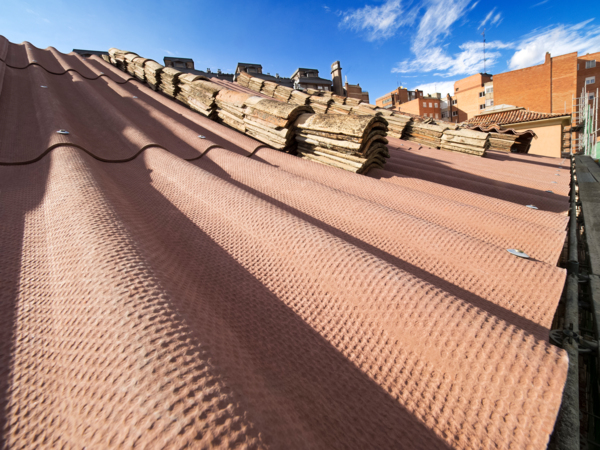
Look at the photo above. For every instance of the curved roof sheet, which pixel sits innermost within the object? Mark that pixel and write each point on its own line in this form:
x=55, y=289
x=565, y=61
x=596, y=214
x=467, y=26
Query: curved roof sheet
x=165, y=290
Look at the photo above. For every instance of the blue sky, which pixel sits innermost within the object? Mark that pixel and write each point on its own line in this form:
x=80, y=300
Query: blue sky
x=380, y=44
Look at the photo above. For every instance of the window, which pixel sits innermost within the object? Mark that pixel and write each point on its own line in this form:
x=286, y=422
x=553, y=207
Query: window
x=590, y=80
x=590, y=64
x=425, y=104
x=489, y=103
x=179, y=64
x=489, y=90
x=454, y=113
x=591, y=97
x=430, y=105
x=481, y=106
x=321, y=88
x=436, y=115
x=454, y=102
x=482, y=94
x=456, y=89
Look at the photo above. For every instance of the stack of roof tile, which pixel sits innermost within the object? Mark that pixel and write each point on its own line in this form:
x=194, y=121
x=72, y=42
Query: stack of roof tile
x=152, y=73
x=299, y=98
x=268, y=88
x=507, y=140
x=426, y=134
x=243, y=78
x=283, y=93
x=396, y=122
x=466, y=141
x=272, y=122
x=169, y=81
x=353, y=143
x=117, y=58
x=136, y=68
x=256, y=84
x=338, y=105
x=230, y=108
x=319, y=103
x=198, y=93
x=353, y=101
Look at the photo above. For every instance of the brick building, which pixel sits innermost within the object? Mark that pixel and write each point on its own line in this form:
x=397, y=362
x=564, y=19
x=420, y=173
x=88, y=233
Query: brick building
x=551, y=86
x=355, y=91
x=469, y=97
x=426, y=106
x=398, y=96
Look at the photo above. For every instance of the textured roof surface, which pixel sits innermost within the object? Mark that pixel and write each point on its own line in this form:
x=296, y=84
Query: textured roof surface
x=513, y=116
x=164, y=290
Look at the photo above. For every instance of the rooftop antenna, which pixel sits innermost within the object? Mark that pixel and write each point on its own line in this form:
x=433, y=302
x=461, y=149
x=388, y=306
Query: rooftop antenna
x=483, y=34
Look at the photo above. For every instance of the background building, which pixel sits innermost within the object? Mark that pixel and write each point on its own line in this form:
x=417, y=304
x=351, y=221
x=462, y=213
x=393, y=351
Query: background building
x=398, y=96
x=469, y=97
x=551, y=86
x=426, y=106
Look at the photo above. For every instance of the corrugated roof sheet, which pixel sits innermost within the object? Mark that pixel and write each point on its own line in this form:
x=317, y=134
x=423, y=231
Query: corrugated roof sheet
x=160, y=289
x=513, y=116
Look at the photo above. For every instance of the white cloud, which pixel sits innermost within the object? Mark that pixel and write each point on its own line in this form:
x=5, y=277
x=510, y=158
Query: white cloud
x=439, y=16
x=487, y=19
x=583, y=37
x=497, y=19
x=436, y=23
x=540, y=3
x=468, y=61
x=378, y=22
x=443, y=87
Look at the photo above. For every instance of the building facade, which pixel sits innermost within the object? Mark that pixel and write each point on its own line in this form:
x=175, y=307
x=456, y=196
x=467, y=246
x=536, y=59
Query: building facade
x=469, y=97
x=398, y=96
x=551, y=86
x=425, y=106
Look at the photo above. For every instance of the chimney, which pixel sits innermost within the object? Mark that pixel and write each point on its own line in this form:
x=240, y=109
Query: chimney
x=548, y=58
x=336, y=78
x=218, y=70
x=208, y=70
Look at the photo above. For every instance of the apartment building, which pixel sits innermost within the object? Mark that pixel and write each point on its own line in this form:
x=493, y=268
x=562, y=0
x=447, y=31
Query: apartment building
x=398, y=96
x=469, y=97
x=551, y=86
x=426, y=106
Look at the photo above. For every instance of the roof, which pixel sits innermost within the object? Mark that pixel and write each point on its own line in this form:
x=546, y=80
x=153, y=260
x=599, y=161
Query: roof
x=177, y=58
x=513, y=116
x=314, y=80
x=161, y=289
x=89, y=52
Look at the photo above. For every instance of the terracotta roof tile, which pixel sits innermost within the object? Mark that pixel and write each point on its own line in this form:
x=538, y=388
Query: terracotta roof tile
x=513, y=116
x=160, y=289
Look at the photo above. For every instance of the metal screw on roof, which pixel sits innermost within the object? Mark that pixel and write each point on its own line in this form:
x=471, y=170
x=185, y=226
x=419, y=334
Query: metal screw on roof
x=553, y=182
x=532, y=207
x=517, y=252
x=45, y=87
x=62, y=132
x=101, y=73
x=34, y=61
x=201, y=137
x=134, y=96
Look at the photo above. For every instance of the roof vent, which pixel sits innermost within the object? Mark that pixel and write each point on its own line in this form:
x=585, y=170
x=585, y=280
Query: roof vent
x=62, y=132
x=517, y=252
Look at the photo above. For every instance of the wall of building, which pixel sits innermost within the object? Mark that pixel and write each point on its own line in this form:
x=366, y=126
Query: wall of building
x=425, y=106
x=584, y=73
x=467, y=96
x=529, y=88
x=564, y=82
x=355, y=91
x=549, y=137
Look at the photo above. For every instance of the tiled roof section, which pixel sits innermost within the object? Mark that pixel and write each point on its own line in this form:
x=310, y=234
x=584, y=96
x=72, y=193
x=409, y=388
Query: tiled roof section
x=231, y=297
x=498, y=129
x=514, y=116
